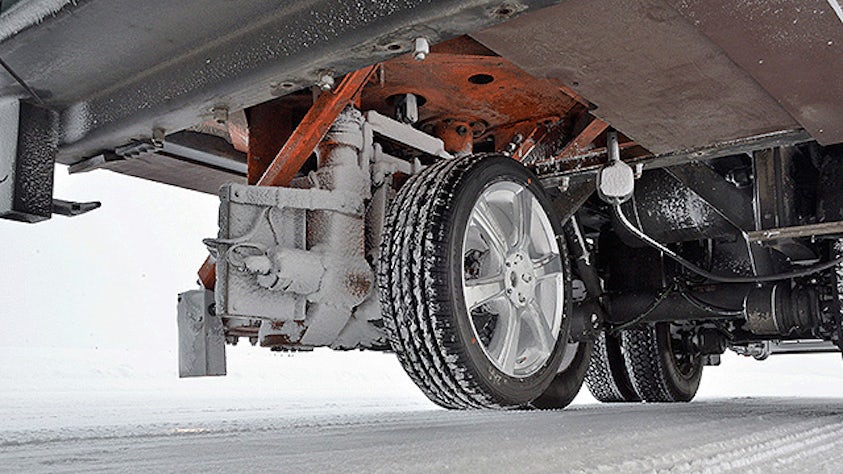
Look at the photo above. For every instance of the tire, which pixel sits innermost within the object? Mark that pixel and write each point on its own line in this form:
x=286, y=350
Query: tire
x=607, y=378
x=657, y=368
x=427, y=257
x=568, y=380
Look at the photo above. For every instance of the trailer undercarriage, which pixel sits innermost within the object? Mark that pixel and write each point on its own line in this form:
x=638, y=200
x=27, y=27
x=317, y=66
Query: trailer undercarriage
x=511, y=202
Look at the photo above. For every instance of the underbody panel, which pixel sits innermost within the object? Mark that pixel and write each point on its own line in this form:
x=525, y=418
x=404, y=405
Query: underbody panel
x=649, y=72
x=670, y=75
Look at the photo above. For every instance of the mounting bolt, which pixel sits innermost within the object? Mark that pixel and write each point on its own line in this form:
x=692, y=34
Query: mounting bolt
x=158, y=134
x=220, y=114
x=421, y=49
x=564, y=183
x=326, y=82
x=639, y=170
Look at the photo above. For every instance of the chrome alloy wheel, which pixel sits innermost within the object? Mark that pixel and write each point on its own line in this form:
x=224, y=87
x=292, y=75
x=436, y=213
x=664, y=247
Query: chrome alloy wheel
x=513, y=279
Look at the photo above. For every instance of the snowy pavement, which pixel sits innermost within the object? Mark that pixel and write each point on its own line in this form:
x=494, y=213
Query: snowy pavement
x=737, y=435
x=75, y=410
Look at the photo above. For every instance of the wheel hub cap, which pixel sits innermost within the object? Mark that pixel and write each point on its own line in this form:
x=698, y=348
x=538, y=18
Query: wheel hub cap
x=520, y=281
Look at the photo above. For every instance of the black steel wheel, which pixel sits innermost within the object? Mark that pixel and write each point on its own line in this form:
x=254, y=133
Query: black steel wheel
x=474, y=283
x=660, y=369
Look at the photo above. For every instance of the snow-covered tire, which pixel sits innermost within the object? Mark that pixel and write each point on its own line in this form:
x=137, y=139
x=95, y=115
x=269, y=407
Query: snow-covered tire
x=607, y=378
x=568, y=380
x=655, y=369
x=422, y=287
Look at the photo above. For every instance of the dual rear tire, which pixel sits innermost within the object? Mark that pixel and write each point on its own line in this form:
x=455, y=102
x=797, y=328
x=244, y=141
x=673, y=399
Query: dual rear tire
x=646, y=363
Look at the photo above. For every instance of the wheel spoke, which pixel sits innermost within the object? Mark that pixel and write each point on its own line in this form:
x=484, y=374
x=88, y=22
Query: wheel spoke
x=548, y=266
x=487, y=223
x=483, y=290
x=504, y=347
x=534, y=316
x=523, y=203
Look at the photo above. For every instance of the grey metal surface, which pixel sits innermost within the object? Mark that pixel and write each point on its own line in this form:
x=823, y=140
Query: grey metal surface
x=29, y=151
x=201, y=339
x=9, y=113
x=791, y=48
x=186, y=159
x=118, y=68
x=802, y=346
x=72, y=209
x=825, y=228
x=650, y=73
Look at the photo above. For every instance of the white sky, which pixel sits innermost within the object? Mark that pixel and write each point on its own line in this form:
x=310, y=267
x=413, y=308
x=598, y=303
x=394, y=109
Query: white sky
x=90, y=302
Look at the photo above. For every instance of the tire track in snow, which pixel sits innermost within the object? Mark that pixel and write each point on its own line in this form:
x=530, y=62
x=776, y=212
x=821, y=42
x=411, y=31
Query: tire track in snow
x=781, y=445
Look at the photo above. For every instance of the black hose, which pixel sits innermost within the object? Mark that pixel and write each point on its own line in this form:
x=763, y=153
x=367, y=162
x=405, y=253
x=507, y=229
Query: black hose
x=713, y=276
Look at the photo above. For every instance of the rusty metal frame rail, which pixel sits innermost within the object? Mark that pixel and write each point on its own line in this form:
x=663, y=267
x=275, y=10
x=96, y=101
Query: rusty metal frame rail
x=593, y=160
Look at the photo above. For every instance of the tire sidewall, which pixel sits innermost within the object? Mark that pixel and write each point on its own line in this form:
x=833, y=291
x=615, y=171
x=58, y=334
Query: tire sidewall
x=487, y=172
x=682, y=387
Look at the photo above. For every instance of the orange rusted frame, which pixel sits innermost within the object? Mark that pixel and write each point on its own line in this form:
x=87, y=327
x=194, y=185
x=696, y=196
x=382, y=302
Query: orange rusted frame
x=581, y=141
x=538, y=134
x=208, y=273
x=313, y=127
x=303, y=141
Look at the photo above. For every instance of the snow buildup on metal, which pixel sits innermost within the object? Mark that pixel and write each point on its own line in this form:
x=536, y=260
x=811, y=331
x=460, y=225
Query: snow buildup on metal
x=293, y=259
x=27, y=13
x=684, y=209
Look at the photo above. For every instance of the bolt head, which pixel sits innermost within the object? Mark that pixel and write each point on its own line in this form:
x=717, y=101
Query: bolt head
x=326, y=82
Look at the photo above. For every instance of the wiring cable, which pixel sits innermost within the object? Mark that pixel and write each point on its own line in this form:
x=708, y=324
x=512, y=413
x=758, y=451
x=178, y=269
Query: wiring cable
x=616, y=208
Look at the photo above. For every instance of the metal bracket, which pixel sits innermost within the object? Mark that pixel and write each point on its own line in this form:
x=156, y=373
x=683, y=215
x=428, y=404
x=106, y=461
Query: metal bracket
x=201, y=338
x=72, y=209
x=28, y=147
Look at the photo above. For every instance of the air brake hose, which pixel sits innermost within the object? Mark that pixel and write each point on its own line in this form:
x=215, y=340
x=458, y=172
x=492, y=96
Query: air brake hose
x=616, y=207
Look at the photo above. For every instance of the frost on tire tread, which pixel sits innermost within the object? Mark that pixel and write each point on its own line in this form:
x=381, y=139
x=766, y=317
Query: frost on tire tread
x=650, y=364
x=413, y=288
x=607, y=372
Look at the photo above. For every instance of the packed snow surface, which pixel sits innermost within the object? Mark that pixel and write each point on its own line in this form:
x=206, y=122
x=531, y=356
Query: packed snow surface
x=392, y=435
x=75, y=410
